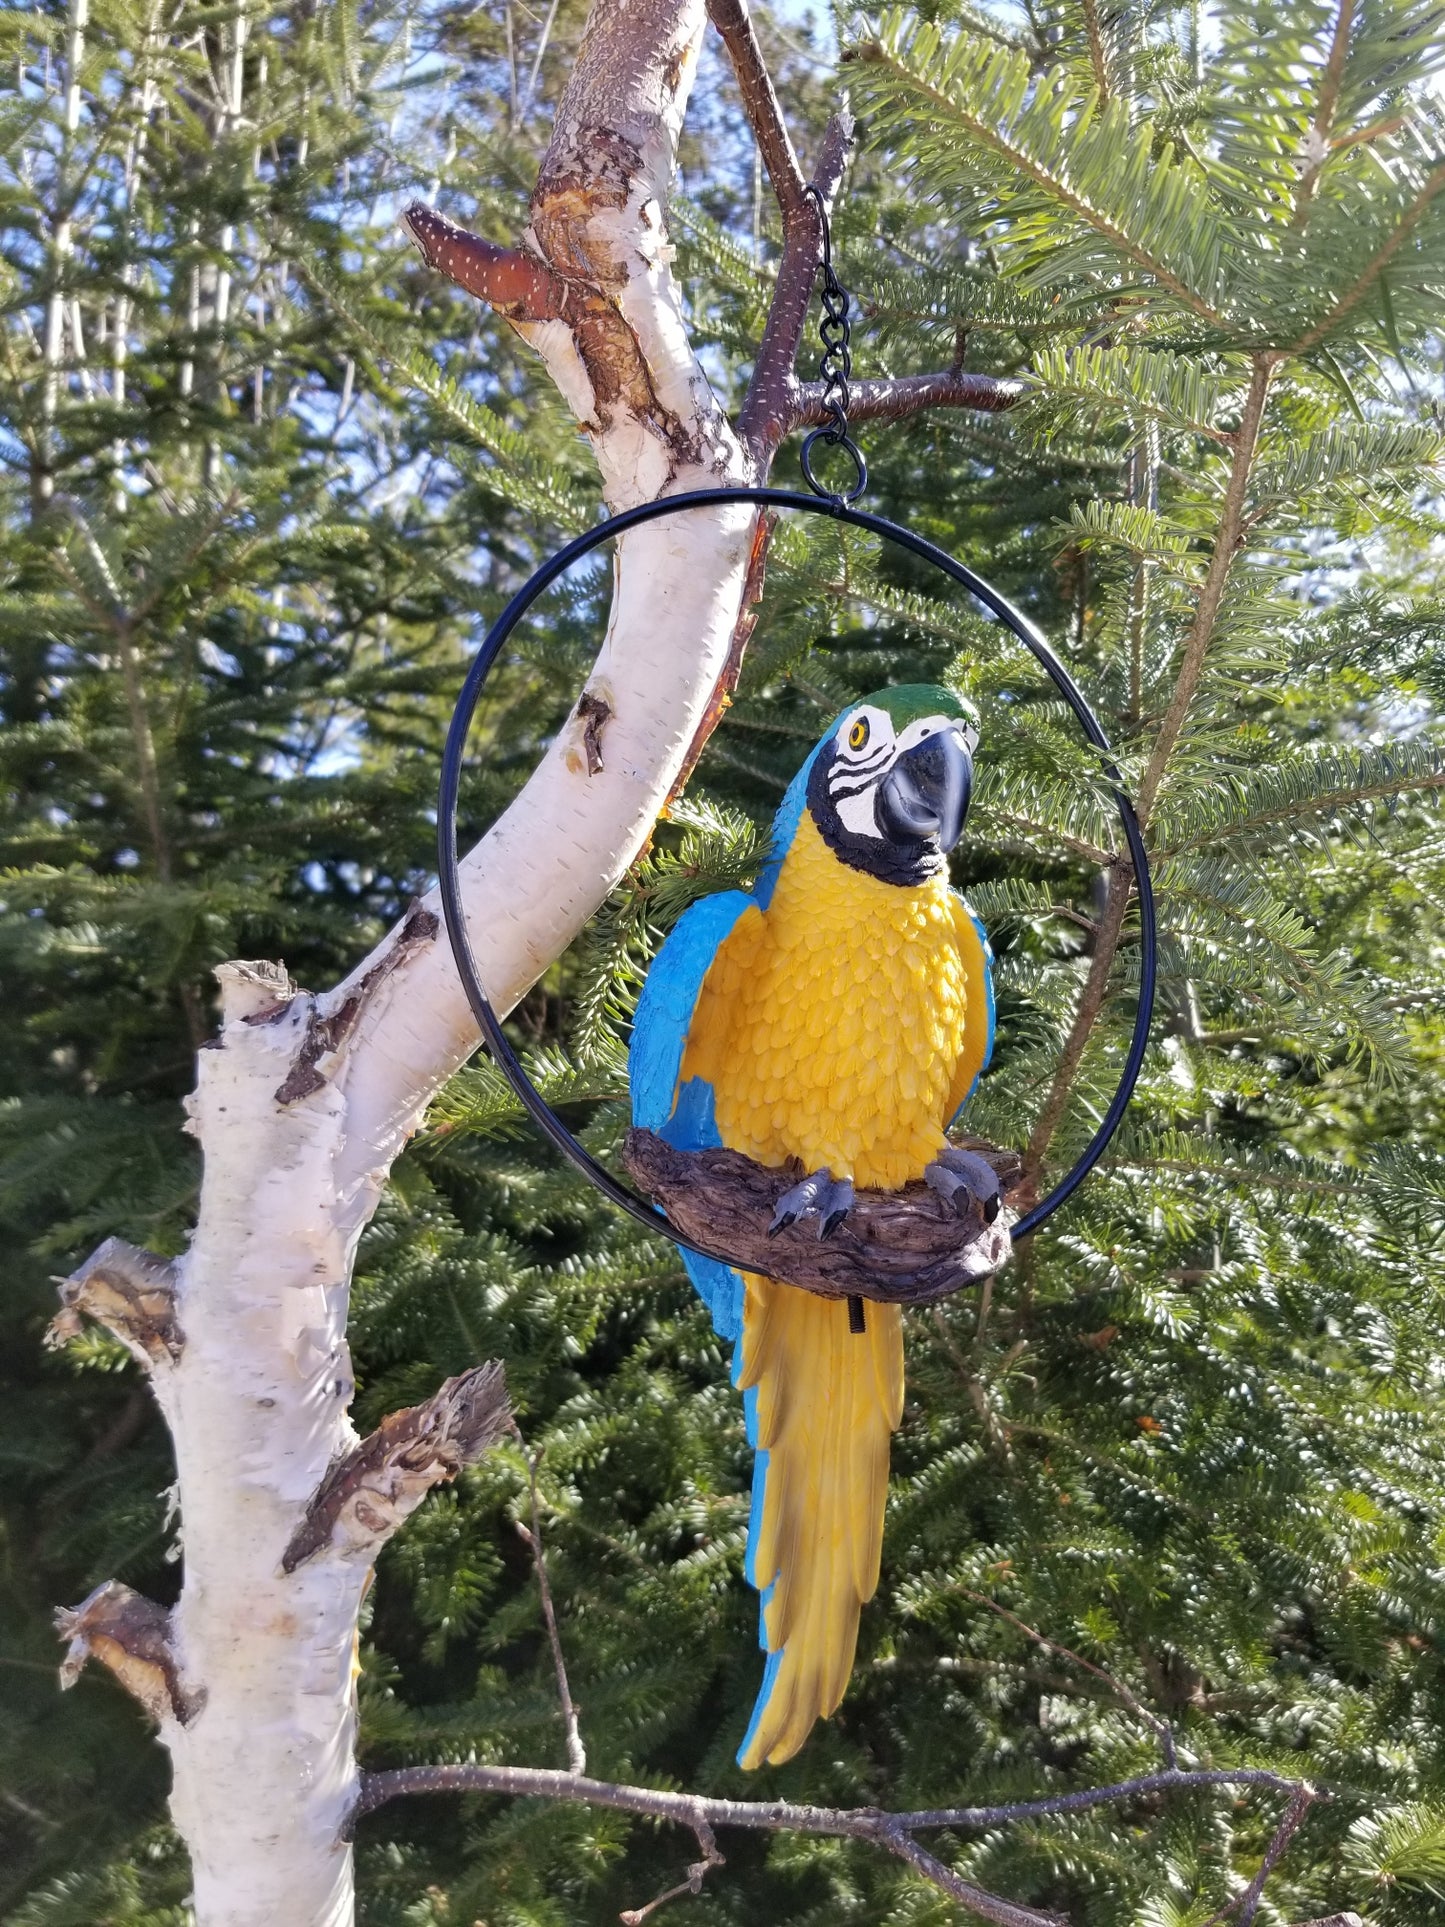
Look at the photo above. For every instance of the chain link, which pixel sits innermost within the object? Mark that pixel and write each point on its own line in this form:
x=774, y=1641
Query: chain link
x=835, y=366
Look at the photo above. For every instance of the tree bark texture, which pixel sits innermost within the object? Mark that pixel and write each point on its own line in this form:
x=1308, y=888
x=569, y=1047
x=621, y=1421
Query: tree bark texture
x=303, y=1102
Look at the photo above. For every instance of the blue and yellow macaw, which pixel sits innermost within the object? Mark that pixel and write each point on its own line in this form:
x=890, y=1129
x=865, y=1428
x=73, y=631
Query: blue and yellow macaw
x=839, y=1013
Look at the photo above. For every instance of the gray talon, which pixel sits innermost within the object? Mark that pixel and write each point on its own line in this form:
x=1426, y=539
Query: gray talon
x=962, y=1178
x=829, y=1199
x=840, y=1203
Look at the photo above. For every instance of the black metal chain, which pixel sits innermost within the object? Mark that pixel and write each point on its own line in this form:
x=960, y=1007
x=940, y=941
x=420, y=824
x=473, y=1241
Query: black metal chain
x=836, y=369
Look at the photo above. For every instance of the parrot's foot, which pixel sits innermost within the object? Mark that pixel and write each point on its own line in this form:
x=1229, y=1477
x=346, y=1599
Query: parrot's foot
x=963, y=1179
x=820, y=1194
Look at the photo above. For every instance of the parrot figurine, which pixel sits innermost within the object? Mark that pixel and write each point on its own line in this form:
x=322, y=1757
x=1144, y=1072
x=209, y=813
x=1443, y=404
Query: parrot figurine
x=840, y=1013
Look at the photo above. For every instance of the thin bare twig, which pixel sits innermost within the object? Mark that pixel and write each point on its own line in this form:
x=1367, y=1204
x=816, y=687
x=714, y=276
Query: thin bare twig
x=1246, y=1904
x=696, y=1874
x=576, y=1752
x=1161, y=1728
x=892, y=1831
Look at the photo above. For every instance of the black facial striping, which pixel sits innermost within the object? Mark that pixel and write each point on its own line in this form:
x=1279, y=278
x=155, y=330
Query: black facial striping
x=905, y=861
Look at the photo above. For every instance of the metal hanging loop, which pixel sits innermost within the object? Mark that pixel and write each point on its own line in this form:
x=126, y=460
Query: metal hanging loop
x=835, y=366
x=998, y=606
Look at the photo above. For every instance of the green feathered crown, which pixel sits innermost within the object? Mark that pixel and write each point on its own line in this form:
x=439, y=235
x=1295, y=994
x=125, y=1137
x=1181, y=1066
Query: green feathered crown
x=906, y=702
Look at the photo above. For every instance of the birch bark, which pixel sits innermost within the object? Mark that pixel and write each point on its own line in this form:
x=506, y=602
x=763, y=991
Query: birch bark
x=303, y=1102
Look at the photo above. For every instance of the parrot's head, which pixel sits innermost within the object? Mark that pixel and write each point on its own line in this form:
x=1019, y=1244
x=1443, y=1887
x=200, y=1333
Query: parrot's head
x=890, y=784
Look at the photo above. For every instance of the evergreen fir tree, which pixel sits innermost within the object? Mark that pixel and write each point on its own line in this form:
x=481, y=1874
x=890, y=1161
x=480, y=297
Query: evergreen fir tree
x=1191, y=1435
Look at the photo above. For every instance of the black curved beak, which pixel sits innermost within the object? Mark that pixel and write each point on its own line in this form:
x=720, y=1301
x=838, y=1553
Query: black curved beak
x=925, y=796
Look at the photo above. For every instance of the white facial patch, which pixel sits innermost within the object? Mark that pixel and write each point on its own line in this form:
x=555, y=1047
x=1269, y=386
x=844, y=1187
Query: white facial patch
x=926, y=726
x=858, y=813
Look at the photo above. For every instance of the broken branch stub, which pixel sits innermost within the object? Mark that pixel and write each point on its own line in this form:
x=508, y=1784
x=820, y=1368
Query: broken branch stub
x=129, y=1291
x=368, y=1494
x=896, y=1247
x=131, y=1636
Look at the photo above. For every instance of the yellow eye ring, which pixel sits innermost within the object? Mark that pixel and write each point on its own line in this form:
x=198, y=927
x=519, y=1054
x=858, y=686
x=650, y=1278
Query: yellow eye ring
x=858, y=734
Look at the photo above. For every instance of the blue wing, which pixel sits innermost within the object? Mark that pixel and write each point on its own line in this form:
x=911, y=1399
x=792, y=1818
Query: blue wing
x=659, y=1037
x=978, y=1041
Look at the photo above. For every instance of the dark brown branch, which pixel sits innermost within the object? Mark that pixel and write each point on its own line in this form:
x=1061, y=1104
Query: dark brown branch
x=129, y=1291
x=532, y=1539
x=897, y=1247
x=131, y=1636
x=764, y=417
x=892, y=1831
x=893, y=399
x=515, y=284
x=366, y=1496
x=721, y=698
x=760, y=102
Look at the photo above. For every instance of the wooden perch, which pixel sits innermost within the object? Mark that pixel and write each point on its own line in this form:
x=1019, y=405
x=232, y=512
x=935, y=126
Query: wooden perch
x=897, y=1247
x=368, y=1494
x=132, y=1636
x=129, y=1291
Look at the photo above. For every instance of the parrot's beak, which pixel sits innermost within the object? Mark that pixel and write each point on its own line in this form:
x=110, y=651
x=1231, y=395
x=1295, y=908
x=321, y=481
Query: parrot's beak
x=925, y=795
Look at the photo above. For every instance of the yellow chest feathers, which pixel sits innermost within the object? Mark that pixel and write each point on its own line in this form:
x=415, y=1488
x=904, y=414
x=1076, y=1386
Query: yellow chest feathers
x=831, y=1025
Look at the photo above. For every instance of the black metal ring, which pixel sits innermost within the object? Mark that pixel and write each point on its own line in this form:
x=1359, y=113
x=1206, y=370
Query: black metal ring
x=454, y=756
x=833, y=497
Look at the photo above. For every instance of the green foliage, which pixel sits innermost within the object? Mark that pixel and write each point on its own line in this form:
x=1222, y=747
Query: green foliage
x=1194, y=1433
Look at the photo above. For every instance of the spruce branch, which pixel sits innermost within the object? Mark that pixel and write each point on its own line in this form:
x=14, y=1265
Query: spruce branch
x=1318, y=144
x=1370, y=274
x=1228, y=544
x=1098, y=53
x=922, y=71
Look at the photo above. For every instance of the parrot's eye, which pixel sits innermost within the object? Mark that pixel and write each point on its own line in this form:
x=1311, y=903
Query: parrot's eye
x=858, y=734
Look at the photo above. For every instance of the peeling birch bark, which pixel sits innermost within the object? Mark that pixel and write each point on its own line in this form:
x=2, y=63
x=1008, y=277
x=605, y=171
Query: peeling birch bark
x=129, y=1291
x=376, y=1488
x=131, y=1635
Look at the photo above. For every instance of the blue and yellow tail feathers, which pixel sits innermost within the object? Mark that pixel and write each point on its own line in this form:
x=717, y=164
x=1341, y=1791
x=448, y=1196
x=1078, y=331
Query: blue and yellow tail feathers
x=825, y=1401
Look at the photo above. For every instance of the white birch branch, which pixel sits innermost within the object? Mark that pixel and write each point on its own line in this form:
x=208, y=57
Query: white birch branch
x=303, y=1102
